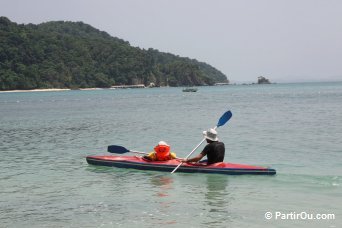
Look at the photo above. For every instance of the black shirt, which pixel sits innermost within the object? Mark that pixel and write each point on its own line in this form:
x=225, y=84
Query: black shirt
x=214, y=151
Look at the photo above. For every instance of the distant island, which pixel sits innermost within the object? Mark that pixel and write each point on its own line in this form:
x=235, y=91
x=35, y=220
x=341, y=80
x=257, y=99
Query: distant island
x=263, y=80
x=75, y=55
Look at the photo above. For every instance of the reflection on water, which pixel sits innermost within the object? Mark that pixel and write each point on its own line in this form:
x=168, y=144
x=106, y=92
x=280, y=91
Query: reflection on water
x=163, y=184
x=217, y=199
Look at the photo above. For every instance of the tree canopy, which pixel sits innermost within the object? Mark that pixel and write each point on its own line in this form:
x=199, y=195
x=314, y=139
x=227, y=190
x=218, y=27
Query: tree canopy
x=64, y=54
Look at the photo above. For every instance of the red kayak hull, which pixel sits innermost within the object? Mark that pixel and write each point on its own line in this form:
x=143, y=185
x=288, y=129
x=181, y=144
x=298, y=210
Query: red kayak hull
x=136, y=162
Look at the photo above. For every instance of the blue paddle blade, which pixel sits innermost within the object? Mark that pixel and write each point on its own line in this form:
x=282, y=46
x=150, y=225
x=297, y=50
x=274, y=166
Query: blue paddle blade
x=224, y=118
x=117, y=149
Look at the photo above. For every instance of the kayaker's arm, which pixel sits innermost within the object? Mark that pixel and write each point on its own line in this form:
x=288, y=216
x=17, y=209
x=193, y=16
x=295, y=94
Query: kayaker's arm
x=150, y=156
x=194, y=159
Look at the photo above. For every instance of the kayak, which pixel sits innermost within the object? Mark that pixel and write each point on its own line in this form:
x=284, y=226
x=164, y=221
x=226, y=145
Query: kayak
x=135, y=162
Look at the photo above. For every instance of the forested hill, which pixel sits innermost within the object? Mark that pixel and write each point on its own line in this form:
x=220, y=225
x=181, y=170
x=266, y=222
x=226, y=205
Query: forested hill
x=76, y=55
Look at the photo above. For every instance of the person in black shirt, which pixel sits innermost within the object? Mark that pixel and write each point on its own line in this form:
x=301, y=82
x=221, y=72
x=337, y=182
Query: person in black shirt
x=214, y=150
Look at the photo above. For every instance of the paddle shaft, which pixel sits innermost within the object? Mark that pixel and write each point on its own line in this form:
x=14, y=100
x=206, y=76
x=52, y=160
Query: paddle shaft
x=137, y=152
x=191, y=153
x=121, y=150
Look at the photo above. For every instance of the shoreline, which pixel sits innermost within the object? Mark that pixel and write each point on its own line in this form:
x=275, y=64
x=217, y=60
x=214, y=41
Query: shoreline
x=33, y=90
x=123, y=87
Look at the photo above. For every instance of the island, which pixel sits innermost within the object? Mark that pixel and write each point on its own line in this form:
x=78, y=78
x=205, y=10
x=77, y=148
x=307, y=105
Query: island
x=75, y=55
x=263, y=80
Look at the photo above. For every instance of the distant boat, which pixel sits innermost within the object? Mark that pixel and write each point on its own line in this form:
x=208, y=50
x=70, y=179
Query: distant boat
x=190, y=90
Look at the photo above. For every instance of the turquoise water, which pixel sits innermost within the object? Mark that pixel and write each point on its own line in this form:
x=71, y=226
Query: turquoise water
x=46, y=182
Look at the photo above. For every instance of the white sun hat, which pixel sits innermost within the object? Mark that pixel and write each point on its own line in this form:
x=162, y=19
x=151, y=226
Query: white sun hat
x=162, y=143
x=211, y=134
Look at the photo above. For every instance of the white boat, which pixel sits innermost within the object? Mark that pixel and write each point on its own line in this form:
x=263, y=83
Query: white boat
x=190, y=90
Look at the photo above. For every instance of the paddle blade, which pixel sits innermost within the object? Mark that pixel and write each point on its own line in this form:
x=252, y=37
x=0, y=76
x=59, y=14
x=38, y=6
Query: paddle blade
x=117, y=149
x=224, y=118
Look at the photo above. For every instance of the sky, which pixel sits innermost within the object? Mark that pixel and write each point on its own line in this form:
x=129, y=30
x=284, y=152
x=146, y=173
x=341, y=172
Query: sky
x=282, y=40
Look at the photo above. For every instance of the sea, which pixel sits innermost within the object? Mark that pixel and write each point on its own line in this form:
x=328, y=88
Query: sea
x=296, y=129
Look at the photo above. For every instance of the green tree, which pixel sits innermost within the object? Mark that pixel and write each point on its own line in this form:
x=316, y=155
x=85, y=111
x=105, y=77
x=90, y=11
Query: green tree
x=75, y=55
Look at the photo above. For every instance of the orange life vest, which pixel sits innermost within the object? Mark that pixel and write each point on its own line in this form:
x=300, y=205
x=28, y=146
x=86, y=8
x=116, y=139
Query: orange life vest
x=162, y=152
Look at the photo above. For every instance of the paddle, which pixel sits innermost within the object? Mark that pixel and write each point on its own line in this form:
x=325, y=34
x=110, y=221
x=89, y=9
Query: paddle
x=121, y=150
x=222, y=121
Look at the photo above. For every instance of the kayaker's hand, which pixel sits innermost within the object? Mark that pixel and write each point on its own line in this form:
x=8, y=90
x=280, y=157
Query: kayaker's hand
x=184, y=160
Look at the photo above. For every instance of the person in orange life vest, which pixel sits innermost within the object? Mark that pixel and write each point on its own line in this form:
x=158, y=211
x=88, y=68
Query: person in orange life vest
x=214, y=150
x=161, y=153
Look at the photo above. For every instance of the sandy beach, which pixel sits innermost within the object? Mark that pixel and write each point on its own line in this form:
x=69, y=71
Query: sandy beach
x=33, y=90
